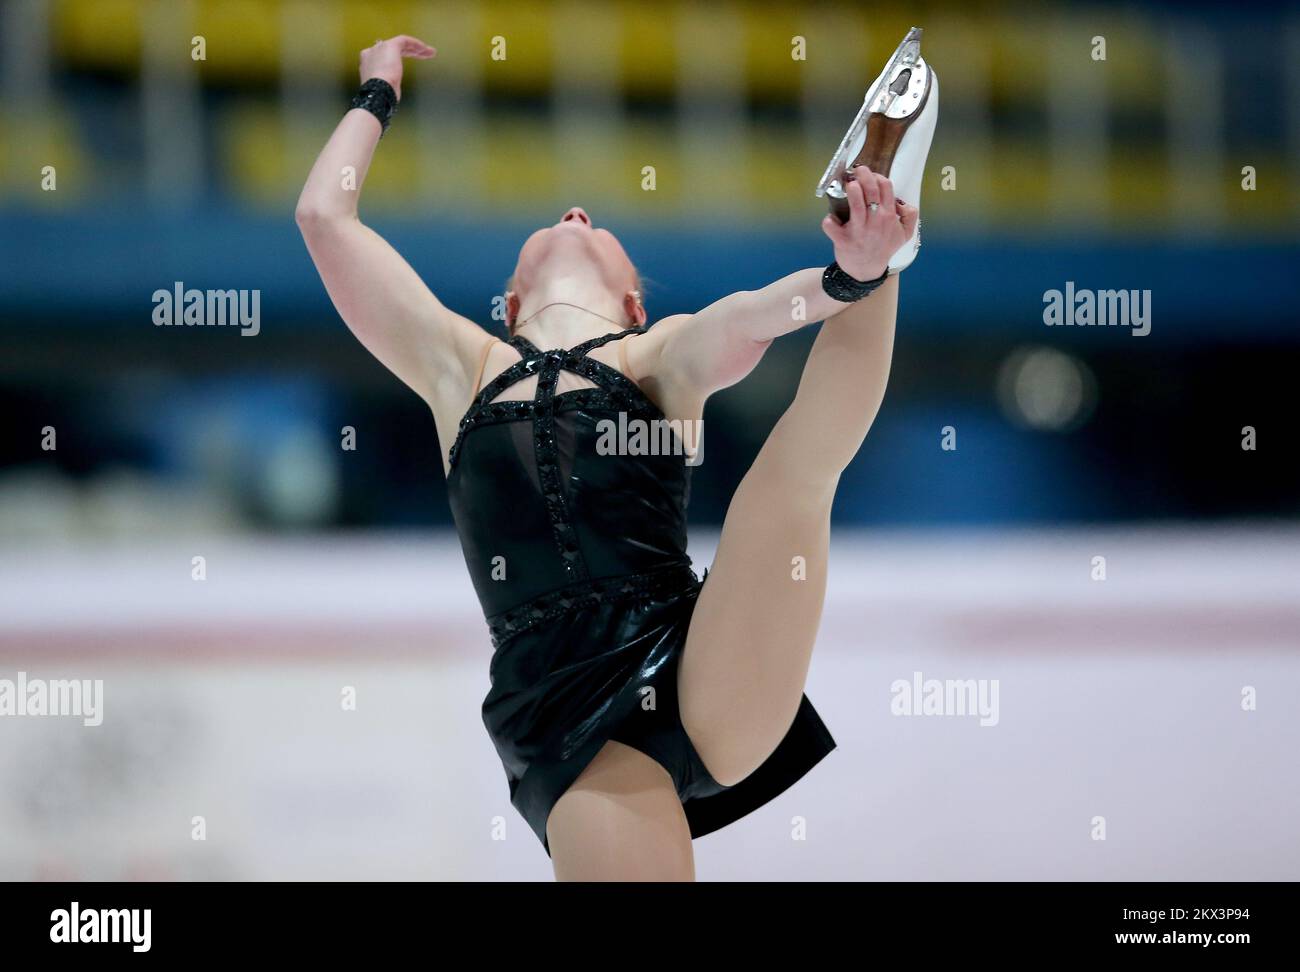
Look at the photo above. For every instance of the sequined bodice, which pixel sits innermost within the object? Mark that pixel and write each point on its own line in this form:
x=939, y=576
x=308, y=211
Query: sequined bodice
x=545, y=508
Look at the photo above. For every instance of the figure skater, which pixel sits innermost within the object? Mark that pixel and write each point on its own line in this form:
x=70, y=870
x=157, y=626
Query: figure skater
x=634, y=706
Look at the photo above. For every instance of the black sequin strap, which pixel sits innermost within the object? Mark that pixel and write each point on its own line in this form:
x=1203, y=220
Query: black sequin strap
x=617, y=390
x=548, y=467
x=590, y=593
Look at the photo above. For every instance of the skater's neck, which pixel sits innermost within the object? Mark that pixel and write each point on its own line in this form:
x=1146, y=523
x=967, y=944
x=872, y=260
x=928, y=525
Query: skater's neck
x=563, y=312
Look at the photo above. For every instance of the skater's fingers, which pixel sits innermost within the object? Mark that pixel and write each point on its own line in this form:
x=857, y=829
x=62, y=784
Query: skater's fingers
x=908, y=215
x=861, y=172
x=886, y=189
x=409, y=45
x=855, y=190
x=871, y=189
x=833, y=228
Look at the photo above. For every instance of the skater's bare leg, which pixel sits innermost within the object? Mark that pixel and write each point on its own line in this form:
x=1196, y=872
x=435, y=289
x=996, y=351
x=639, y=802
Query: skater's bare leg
x=621, y=820
x=753, y=630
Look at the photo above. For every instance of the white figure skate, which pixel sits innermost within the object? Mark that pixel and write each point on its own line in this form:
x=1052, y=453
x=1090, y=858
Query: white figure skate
x=891, y=136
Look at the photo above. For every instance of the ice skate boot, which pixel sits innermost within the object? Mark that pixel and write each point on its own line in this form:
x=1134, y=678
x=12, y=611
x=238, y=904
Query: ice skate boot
x=891, y=136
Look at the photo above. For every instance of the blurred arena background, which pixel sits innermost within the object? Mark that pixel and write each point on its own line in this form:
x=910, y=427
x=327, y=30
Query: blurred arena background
x=1172, y=165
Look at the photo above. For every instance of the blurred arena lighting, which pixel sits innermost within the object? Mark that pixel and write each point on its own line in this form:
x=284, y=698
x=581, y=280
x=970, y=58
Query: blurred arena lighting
x=300, y=482
x=1043, y=388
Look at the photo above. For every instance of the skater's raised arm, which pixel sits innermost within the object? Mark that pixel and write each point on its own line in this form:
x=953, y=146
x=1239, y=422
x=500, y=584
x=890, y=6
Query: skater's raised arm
x=722, y=343
x=376, y=292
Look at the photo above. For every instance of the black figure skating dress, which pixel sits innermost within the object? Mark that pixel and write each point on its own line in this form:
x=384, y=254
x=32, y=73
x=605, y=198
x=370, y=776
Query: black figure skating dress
x=579, y=561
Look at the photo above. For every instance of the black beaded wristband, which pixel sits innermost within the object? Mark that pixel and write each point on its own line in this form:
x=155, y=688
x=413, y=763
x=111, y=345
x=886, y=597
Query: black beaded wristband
x=842, y=287
x=377, y=97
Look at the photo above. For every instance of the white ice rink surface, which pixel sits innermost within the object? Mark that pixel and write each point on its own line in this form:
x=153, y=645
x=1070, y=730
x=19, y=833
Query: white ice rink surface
x=1118, y=699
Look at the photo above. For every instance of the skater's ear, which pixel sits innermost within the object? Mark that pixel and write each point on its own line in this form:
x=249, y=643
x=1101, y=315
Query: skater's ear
x=512, y=303
x=637, y=315
x=634, y=301
x=512, y=310
x=634, y=308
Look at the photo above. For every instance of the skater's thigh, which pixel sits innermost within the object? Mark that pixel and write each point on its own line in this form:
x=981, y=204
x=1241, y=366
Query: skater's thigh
x=621, y=820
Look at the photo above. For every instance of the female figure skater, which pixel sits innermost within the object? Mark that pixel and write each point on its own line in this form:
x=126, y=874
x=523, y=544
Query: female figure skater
x=633, y=706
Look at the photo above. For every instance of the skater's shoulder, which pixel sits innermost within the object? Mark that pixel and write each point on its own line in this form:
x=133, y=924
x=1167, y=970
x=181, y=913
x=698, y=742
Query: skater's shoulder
x=670, y=322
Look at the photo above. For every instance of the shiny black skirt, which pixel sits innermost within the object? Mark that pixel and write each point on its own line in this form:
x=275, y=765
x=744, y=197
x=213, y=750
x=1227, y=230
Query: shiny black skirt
x=577, y=668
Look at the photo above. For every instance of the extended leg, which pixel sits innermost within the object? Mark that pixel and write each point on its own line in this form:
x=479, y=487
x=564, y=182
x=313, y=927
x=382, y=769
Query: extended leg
x=752, y=633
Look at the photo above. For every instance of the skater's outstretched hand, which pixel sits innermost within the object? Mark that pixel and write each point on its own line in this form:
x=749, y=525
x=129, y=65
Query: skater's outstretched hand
x=383, y=59
x=865, y=243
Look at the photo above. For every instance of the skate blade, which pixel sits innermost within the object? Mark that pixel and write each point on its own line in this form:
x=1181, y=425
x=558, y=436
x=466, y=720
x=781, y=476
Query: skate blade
x=894, y=95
